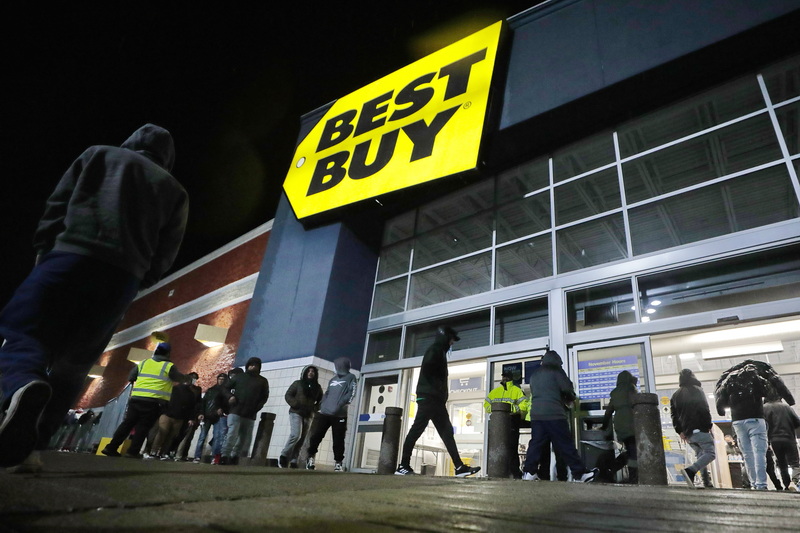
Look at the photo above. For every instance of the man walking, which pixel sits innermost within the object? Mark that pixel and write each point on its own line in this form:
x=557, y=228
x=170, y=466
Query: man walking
x=333, y=414
x=783, y=423
x=246, y=394
x=691, y=419
x=113, y=225
x=303, y=397
x=432, y=392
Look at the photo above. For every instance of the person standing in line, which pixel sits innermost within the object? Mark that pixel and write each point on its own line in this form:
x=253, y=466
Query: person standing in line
x=550, y=390
x=782, y=424
x=183, y=408
x=303, y=396
x=509, y=393
x=621, y=407
x=112, y=226
x=248, y=393
x=433, y=390
x=213, y=415
x=691, y=419
x=333, y=414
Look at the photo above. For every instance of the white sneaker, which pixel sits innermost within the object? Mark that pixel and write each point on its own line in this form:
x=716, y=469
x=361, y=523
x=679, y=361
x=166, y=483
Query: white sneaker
x=310, y=464
x=337, y=467
x=587, y=477
x=404, y=471
x=527, y=476
x=148, y=457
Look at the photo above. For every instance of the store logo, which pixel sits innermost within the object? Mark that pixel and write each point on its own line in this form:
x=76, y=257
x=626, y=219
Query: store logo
x=420, y=123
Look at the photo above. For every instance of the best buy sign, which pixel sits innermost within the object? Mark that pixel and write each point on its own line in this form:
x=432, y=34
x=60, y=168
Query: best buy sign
x=417, y=124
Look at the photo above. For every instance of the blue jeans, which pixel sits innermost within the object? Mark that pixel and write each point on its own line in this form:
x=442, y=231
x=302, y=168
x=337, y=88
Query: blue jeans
x=218, y=436
x=557, y=432
x=240, y=433
x=298, y=429
x=57, y=324
x=702, y=443
x=752, y=436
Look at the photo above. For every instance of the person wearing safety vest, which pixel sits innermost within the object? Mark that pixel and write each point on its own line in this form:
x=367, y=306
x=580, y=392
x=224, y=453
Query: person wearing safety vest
x=509, y=393
x=152, y=388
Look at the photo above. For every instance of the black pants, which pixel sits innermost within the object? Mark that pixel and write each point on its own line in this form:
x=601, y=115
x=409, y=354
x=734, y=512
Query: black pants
x=786, y=455
x=320, y=426
x=435, y=412
x=140, y=415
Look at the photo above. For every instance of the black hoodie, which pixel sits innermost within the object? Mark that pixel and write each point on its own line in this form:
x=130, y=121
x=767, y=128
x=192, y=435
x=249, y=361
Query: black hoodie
x=432, y=384
x=304, y=395
x=689, y=406
x=120, y=205
x=250, y=389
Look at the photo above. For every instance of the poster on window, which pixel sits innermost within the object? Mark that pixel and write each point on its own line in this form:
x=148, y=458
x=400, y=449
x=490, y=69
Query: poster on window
x=598, y=377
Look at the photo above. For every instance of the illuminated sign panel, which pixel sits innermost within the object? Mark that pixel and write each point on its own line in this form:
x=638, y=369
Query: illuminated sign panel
x=415, y=125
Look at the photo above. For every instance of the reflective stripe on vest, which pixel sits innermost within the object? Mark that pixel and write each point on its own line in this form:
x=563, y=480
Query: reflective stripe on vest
x=153, y=380
x=512, y=395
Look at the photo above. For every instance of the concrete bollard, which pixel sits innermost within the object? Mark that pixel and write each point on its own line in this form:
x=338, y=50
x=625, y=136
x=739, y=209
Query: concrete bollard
x=649, y=439
x=499, y=435
x=390, y=441
x=263, y=437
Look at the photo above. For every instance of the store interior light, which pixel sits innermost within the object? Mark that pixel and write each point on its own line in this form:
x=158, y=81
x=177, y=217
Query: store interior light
x=650, y=310
x=742, y=349
x=685, y=356
x=211, y=336
x=96, y=371
x=645, y=319
x=748, y=332
x=655, y=302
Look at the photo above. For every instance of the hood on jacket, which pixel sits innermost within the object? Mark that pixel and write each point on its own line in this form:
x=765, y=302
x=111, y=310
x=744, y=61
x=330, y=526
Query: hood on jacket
x=687, y=377
x=551, y=358
x=153, y=142
x=626, y=380
x=316, y=376
x=444, y=334
x=342, y=365
x=253, y=361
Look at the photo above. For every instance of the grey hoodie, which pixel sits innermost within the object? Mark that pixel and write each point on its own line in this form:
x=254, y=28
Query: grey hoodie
x=551, y=389
x=341, y=390
x=120, y=205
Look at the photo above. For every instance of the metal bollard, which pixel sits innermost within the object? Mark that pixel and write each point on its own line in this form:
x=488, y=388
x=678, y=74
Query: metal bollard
x=499, y=434
x=649, y=440
x=263, y=437
x=390, y=440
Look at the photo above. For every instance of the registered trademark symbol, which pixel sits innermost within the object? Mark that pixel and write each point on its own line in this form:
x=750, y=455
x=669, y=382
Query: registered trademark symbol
x=467, y=105
x=300, y=162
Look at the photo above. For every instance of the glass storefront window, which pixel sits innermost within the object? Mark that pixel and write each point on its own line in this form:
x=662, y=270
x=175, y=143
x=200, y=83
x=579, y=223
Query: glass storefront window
x=521, y=321
x=583, y=156
x=783, y=80
x=600, y=306
x=464, y=277
x=473, y=329
x=588, y=196
x=383, y=346
x=721, y=152
x=389, y=298
x=379, y=393
x=516, y=183
x=745, y=280
x=789, y=121
x=460, y=204
x=750, y=201
x=399, y=228
x=523, y=217
x=394, y=260
x=454, y=240
x=524, y=261
x=592, y=243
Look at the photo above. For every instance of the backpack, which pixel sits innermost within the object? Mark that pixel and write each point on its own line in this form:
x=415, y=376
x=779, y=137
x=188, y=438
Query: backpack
x=744, y=382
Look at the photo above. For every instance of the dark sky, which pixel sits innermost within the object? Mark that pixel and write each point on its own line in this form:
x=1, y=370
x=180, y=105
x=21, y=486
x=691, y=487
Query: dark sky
x=230, y=82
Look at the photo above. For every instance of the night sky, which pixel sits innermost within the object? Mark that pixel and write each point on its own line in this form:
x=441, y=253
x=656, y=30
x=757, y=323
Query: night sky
x=230, y=83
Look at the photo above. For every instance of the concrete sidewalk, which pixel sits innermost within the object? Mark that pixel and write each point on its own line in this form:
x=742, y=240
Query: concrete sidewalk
x=81, y=492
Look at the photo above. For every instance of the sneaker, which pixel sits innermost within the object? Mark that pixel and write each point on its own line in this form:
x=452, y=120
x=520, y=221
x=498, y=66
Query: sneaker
x=293, y=464
x=196, y=460
x=464, y=470
x=688, y=477
x=165, y=458
x=337, y=467
x=31, y=465
x=108, y=452
x=792, y=487
x=19, y=429
x=149, y=457
x=587, y=477
x=310, y=464
x=283, y=462
x=404, y=471
x=217, y=459
x=224, y=460
x=527, y=476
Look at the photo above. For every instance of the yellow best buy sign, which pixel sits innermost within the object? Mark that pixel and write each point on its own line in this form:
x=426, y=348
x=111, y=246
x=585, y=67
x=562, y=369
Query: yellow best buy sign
x=417, y=124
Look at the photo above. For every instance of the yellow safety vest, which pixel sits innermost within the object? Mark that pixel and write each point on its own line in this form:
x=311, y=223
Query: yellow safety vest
x=512, y=395
x=153, y=380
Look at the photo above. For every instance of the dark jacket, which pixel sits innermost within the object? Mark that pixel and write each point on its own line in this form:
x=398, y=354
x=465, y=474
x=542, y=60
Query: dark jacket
x=120, y=205
x=304, y=395
x=251, y=391
x=185, y=403
x=689, y=406
x=432, y=385
x=749, y=405
x=341, y=390
x=620, y=406
x=551, y=389
x=782, y=421
x=213, y=400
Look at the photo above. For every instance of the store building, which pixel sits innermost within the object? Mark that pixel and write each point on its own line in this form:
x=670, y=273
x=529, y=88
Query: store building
x=633, y=204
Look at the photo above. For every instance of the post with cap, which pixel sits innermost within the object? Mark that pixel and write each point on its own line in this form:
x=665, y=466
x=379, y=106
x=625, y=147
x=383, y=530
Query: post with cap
x=390, y=440
x=649, y=440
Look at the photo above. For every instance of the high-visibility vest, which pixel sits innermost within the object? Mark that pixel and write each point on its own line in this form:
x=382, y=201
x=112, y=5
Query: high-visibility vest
x=512, y=395
x=153, y=380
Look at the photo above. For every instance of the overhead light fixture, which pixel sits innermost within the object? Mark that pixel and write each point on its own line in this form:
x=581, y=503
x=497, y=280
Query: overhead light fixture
x=742, y=349
x=645, y=319
x=137, y=355
x=211, y=336
x=748, y=332
x=96, y=371
x=650, y=310
x=685, y=356
x=655, y=302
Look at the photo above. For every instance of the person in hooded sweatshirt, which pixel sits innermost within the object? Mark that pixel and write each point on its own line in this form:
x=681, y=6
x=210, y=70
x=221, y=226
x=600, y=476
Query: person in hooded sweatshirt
x=782, y=426
x=303, y=397
x=246, y=394
x=621, y=408
x=691, y=419
x=551, y=389
x=432, y=392
x=112, y=225
x=333, y=414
